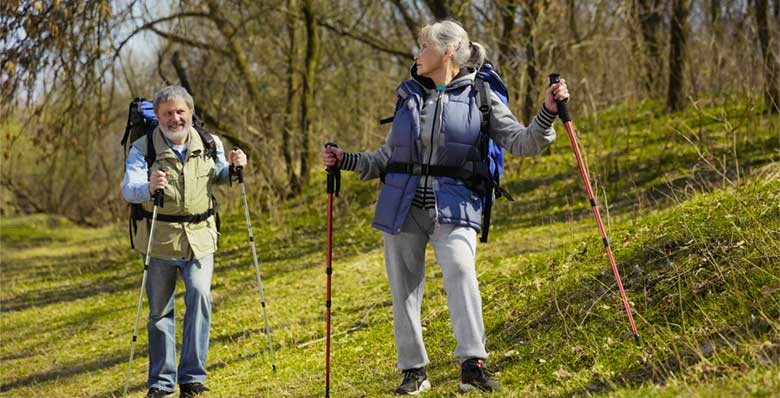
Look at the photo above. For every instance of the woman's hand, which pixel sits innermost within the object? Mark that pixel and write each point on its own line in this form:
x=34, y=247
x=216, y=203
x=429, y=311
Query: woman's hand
x=331, y=155
x=556, y=92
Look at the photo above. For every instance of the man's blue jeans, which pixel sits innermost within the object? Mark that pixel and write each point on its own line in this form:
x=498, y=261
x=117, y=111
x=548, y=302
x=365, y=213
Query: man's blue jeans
x=160, y=286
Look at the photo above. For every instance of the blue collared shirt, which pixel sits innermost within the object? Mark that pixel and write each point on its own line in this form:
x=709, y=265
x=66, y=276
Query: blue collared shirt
x=135, y=186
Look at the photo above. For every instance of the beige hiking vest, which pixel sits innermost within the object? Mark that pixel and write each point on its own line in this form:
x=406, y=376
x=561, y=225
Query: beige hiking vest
x=188, y=192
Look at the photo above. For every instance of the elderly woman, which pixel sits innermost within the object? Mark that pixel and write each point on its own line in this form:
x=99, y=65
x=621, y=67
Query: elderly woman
x=438, y=123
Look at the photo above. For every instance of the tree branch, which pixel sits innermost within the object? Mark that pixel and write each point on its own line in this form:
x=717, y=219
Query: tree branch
x=365, y=39
x=149, y=25
x=191, y=43
x=410, y=22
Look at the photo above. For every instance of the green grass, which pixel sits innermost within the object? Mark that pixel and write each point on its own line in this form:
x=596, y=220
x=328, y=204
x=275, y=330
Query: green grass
x=694, y=224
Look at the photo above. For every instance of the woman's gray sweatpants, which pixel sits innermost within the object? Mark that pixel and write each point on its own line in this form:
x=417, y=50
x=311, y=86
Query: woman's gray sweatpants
x=455, y=250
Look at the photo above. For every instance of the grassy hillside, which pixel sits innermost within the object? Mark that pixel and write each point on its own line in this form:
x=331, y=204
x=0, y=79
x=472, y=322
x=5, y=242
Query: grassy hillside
x=692, y=202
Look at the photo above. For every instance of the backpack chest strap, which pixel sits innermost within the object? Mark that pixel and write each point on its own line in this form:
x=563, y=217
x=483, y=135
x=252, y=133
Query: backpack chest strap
x=468, y=172
x=141, y=213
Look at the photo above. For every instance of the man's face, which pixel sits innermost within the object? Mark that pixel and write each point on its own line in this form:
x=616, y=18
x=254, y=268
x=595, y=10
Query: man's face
x=174, y=115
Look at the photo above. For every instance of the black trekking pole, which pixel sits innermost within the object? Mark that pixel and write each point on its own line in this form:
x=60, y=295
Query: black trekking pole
x=334, y=184
x=563, y=113
x=158, y=202
x=240, y=174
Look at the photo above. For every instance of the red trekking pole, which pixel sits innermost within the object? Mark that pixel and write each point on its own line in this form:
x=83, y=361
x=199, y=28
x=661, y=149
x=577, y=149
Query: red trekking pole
x=563, y=113
x=334, y=184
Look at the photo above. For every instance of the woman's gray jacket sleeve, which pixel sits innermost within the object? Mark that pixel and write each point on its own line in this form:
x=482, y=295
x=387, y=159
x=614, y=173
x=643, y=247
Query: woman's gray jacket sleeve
x=368, y=165
x=516, y=138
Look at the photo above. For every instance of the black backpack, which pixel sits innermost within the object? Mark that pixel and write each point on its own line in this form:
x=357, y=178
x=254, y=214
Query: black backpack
x=141, y=121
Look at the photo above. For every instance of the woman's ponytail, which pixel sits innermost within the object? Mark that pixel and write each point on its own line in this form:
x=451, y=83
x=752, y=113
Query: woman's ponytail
x=477, y=57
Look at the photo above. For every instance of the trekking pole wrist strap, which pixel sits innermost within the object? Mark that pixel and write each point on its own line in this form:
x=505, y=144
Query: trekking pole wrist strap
x=237, y=172
x=334, y=180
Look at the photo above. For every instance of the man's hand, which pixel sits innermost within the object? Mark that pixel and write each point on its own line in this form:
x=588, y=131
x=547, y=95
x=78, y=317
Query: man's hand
x=157, y=180
x=237, y=158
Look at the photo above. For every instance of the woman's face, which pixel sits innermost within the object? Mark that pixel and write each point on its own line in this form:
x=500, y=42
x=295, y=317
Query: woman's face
x=429, y=59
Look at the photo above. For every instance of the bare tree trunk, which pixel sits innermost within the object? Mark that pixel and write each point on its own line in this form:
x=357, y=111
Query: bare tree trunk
x=571, y=11
x=237, y=54
x=287, y=146
x=531, y=12
x=649, y=17
x=771, y=67
x=716, y=27
x=307, y=103
x=507, y=9
x=677, y=55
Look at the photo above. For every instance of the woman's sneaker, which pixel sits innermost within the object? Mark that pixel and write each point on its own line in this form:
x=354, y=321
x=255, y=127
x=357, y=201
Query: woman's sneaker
x=415, y=381
x=474, y=376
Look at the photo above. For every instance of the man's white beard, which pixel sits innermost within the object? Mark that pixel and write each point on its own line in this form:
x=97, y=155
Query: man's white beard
x=177, y=136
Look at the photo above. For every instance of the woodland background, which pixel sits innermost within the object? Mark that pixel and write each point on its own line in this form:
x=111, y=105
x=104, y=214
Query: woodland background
x=675, y=103
x=279, y=78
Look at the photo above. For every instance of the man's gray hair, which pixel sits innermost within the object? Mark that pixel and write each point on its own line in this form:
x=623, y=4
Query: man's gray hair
x=170, y=93
x=441, y=34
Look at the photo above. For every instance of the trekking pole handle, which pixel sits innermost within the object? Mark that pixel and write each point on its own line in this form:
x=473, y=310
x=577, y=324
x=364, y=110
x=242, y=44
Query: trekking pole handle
x=239, y=169
x=158, y=194
x=331, y=145
x=334, y=174
x=563, y=112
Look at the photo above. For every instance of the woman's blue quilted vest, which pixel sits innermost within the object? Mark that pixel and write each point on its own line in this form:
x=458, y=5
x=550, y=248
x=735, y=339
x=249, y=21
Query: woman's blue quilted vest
x=460, y=129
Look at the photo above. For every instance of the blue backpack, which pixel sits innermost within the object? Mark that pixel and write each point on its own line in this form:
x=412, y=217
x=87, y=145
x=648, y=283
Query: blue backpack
x=489, y=79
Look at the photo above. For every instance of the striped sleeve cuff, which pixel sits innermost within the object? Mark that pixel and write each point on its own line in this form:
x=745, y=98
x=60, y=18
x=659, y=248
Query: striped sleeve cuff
x=545, y=118
x=349, y=162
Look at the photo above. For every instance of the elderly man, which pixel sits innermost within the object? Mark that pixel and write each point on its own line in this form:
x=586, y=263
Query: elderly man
x=185, y=237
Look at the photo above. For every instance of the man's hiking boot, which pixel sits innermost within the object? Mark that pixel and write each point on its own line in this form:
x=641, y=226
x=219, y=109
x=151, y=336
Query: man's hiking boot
x=474, y=376
x=155, y=392
x=415, y=381
x=193, y=390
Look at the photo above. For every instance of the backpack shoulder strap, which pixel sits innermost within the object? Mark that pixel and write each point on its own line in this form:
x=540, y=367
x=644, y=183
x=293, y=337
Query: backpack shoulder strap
x=128, y=126
x=404, y=90
x=151, y=152
x=390, y=119
x=483, y=101
x=208, y=141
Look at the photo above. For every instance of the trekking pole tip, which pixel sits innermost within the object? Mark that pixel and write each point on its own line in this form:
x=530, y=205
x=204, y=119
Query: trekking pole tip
x=636, y=339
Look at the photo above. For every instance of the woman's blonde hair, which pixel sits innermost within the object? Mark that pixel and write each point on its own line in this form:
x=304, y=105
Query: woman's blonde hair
x=445, y=33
